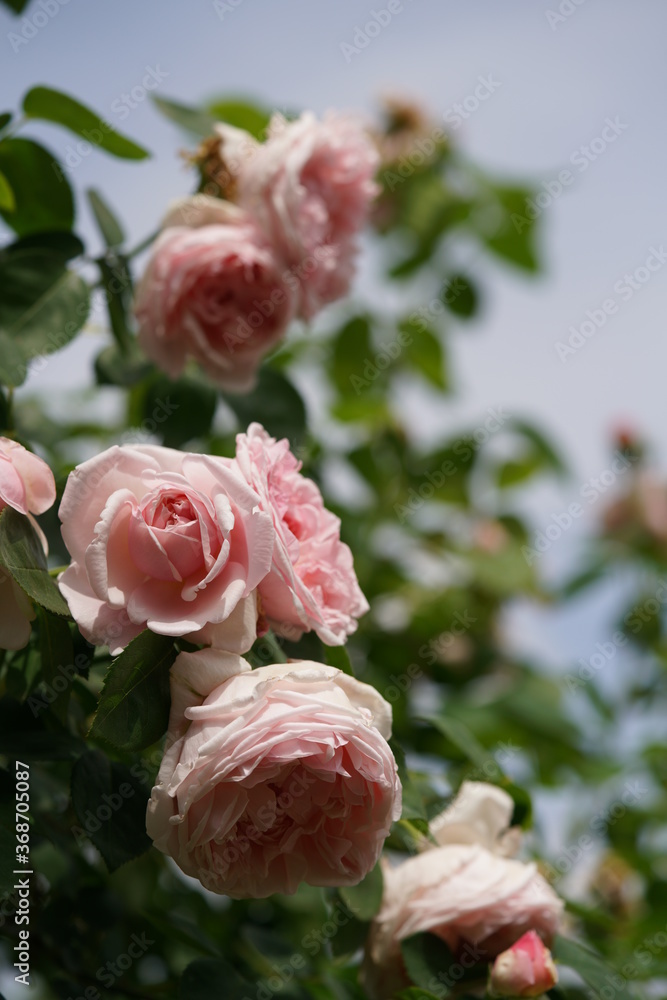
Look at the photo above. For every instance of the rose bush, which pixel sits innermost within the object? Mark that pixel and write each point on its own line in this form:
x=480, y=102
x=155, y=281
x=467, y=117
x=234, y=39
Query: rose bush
x=274, y=776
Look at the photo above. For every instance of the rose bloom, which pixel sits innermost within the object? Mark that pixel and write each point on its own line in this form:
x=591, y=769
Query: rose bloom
x=274, y=776
x=27, y=485
x=212, y=291
x=166, y=540
x=465, y=891
x=524, y=970
x=312, y=584
x=310, y=186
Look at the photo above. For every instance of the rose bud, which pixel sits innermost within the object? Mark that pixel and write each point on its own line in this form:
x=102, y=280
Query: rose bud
x=524, y=970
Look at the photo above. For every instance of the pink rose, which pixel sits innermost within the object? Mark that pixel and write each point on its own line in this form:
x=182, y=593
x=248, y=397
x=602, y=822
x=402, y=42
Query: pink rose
x=26, y=481
x=274, y=776
x=310, y=186
x=166, y=540
x=312, y=583
x=465, y=891
x=212, y=291
x=27, y=485
x=524, y=970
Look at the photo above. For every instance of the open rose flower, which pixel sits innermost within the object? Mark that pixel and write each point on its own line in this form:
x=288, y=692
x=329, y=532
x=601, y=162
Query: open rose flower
x=166, y=540
x=524, y=970
x=27, y=485
x=312, y=583
x=465, y=891
x=274, y=776
x=310, y=186
x=212, y=291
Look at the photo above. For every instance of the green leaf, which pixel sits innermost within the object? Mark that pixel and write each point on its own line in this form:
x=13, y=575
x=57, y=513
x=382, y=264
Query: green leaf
x=15, y=5
x=62, y=246
x=352, y=356
x=7, y=200
x=193, y=120
x=413, y=800
x=425, y=353
x=365, y=898
x=22, y=555
x=517, y=471
x=108, y=224
x=57, y=651
x=213, y=979
x=275, y=403
x=117, y=285
x=115, y=367
x=43, y=198
x=42, y=306
x=110, y=805
x=590, y=966
x=460, y=295
x=369, y=408
x=23, y=734
x=338, y=656
x=133, y=712
x=426, y=957
x=350, y=937
x=12, y=365
x=51, y=105
x=541, y=444
x=513, y=238
x=5, y=118
x=241, y=114
x=177, y=412
x=416, y=993
x=459, y=734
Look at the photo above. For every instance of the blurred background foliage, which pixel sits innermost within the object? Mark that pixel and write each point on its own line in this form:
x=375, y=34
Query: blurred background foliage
x=441, y=549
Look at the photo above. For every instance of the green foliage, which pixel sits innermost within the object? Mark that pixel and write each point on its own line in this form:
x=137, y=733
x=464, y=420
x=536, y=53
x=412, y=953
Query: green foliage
x=428, y=959
x=133, y=710
x=592, y=969
x=364, y=899
x=191, y=119
x=41, y=196
x=22, y=555
x=110, y=806
x=434, y=519
x=275, y=403
x=49, y=105
x=208, y=978
x=108, y=224
x=43, y=304
x=177, y=412
x=241, y=114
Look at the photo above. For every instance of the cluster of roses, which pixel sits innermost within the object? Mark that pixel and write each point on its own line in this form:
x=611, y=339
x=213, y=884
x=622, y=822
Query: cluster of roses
x=226, y=277
x=280, y=774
